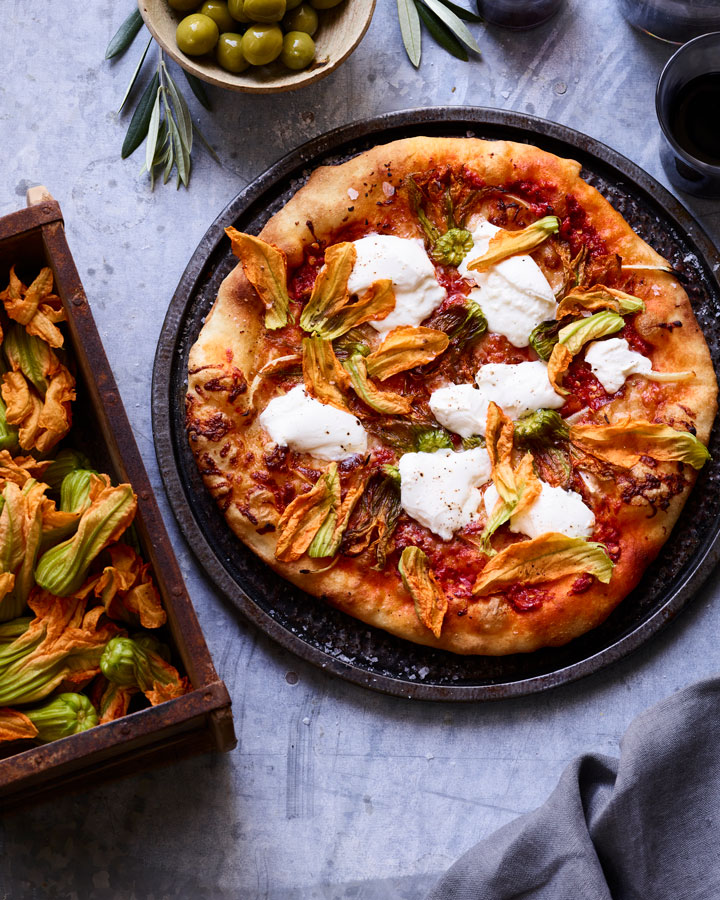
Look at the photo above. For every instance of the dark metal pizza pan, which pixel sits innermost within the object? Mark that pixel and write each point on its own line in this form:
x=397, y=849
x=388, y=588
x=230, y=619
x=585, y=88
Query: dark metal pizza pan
x=329, y=638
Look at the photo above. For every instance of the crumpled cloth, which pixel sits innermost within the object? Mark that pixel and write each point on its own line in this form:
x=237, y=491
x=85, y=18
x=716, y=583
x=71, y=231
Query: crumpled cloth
x=644, y=827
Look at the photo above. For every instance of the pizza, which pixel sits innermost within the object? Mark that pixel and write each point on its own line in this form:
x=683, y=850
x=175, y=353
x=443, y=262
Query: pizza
x=450, y=391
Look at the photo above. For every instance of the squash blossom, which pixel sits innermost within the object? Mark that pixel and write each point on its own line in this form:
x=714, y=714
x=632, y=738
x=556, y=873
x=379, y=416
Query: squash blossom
x=126, y=589
x=21, y=530
x=505, y=244
x=112, y=701
x=30, y=355
x=35, y=307
x=37, y=391
x=63, y=715
x=11, y=630
x=62, y=569
x=62, y=646
x=430, y=601
x=15, y=726
x=131, y=663
x=75, y=490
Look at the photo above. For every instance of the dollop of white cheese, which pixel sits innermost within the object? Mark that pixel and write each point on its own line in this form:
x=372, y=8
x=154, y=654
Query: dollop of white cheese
x=514, y=294
x=555, y=510
x=612, y=361
x=405, y=262
x=460, y=407
x=441, y=490
x=518, y=389
x=303, y=423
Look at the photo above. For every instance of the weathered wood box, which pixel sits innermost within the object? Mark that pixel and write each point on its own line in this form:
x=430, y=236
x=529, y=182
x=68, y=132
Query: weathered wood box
x=200, y=720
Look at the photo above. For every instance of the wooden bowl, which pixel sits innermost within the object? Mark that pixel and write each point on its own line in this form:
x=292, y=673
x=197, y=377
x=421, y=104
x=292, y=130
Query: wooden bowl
x=341, y=30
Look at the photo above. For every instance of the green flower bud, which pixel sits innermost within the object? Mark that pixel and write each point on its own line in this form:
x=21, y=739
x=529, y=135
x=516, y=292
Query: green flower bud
x=75, y=490
x=463, y=324
x=542, y=426
x=65, y=462
x=139, y=662
x=544, y=337
x=428, y=440
x=126, y=663
x=63, y=715
x=392, y=472
x=452, y=247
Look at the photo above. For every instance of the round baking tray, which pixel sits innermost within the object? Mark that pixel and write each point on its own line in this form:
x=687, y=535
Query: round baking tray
x=325, y=636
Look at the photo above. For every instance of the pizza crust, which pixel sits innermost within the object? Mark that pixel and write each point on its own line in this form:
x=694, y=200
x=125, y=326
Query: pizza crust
x=227, y=440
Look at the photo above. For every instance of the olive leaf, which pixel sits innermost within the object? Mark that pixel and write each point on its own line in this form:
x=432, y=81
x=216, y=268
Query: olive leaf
x=410, y=30
x=441, y=33
x=135, y=75
x=140, y=122
x=181, y=111
x=444, y=20
x=152, y=135
x=125, y=35
x=461, y=12
x=454, y=23
x=162, y=118
x=180, y=125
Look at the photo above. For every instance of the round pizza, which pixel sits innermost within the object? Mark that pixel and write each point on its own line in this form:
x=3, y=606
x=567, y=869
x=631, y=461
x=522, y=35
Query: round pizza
x=450, y=391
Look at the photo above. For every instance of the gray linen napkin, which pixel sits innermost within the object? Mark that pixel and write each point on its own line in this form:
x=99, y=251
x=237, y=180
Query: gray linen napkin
x=644, y=827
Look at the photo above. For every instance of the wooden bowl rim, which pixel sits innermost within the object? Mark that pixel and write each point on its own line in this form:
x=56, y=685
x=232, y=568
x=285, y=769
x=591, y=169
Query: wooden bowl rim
x=232, y=82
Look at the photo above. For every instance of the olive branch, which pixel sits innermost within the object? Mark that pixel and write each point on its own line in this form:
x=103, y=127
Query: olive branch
x=161, y=118
x=444, y=20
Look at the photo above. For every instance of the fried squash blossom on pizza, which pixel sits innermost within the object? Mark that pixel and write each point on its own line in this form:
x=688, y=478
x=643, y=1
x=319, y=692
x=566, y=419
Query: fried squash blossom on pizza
x=450, y=391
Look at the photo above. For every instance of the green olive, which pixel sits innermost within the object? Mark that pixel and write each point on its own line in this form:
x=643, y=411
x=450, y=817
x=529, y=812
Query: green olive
x=196, y=34
x=264, y=10
x=298, y=50
x=218, y=12
x=324, y=4
x=229, y=53
x=261, y=44
x=292, y=4
x=183, y=5
x=235, y=8
x=304, y=18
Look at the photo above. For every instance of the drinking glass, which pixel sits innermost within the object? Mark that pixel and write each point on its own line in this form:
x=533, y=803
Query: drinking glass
x=674, y=21
x=684, y=168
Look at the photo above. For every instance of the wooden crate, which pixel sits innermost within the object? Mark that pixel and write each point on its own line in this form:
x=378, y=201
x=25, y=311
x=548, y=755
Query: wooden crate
x=202, y=719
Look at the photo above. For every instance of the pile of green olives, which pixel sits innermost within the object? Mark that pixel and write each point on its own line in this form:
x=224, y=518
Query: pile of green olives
x=244, y=33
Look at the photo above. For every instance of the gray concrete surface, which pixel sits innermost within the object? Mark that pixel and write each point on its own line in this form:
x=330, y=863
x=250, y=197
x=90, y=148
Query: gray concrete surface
x=333, y=792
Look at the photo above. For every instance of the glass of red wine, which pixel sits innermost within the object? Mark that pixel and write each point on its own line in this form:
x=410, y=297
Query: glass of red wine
x=687, y=101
